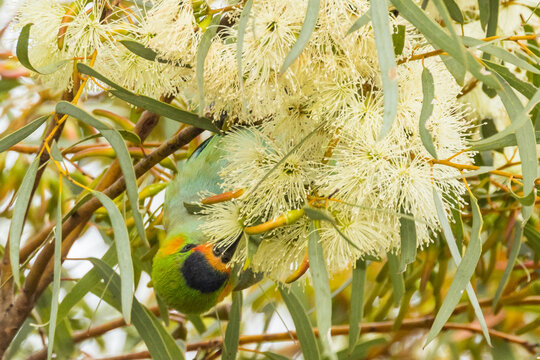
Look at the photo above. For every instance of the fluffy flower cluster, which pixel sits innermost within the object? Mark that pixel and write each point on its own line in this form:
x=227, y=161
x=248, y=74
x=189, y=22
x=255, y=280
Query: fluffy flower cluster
x=314, y=130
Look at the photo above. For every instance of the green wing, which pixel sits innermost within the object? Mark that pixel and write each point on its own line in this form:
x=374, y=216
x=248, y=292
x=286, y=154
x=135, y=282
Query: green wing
x=199, y=173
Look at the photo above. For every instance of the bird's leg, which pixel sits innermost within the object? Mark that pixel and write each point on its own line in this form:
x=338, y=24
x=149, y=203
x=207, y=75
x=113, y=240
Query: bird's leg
x=226, y=196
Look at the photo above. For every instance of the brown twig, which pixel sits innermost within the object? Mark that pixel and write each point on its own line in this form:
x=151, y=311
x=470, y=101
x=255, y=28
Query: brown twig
x=32, y=149
x=374, y=327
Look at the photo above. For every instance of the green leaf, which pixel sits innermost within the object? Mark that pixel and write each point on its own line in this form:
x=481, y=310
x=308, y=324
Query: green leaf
x=15, y=137
x=523, y=87
x=454, y=11
x=150, y=104
x=149, y=54
x=232, y=334
x=84, y=286
x=163, y=310
x=518, y=118
x=457, y=70
x=242, y=25
x=360, y=22
x=55, y=152
x=122, y=153
x=57, y=271
x=524, y=135
x=126, y=135
x=361, y=350
x=202, y=51
x=159, y=342
x=439, y=38
x=466, y=267
x=197, y=322
x=428, y=90
x=310, y=20
x=493, y=18
x=305, y=334
x=8, y=84
x=508, y=140
x=459, y=53
x=398, y=39
x=273, y=356
x=357, y=302
x=407, y=232
x=387, y=63
x=321, y=287
x=123, y=250
x=483, y=7
x=19, y=215
x=24, y=59
x=500, y=53
x=396, y=276
x=516, y=245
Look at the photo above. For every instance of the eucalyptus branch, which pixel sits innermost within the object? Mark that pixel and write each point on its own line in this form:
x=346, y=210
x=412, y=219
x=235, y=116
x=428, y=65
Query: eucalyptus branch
x=17, y=311
x=373, y=327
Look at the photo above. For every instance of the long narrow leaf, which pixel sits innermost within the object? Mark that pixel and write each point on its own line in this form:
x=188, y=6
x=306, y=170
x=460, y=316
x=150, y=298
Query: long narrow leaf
x=150, y=104
x=524, y=135
x=360, y=22
x=518, y=116
x=454, y=11
x=122, y=153
x=357, y=302
x=148, y=54
x=19, y=215
x=202, y=51
x=310, y=20
x=508, y=140
x=463, y=273
x=57, y=271
x=123, y=250
x=387, y=63
x=396, y=277
x=438, y=37
x=242, y=25
x=445, y=15
x=84, y=285
x=502, y=54
x=24, y=59
x=428, y=90
x=516, y=245
x=305, y=334
x=407, y=232
x=323, y=299
x=159, y=342
x=232, y=334
x=15, y=137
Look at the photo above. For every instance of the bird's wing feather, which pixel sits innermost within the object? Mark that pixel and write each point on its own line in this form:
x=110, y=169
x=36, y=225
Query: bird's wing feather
x=199, y=173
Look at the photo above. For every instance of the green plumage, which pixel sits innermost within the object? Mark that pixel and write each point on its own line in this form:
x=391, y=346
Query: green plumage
x=171, y=286
x=197, y=174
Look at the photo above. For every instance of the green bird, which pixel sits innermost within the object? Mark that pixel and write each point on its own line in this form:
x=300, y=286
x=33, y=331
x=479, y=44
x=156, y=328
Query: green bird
x=190, y=274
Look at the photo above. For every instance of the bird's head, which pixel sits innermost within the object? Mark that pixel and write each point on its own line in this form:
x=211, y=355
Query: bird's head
x=192, y=277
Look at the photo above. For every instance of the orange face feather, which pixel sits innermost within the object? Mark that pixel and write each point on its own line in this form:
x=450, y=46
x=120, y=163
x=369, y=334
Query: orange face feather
x=171, y=246
x=213, y=260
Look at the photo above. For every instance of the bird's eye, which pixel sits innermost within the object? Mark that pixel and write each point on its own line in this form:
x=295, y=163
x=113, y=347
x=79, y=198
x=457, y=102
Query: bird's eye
x=187, y=248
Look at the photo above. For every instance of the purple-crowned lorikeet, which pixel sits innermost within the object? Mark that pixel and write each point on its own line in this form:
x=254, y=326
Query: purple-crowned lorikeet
x=188, y=272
